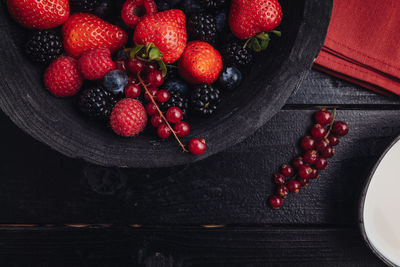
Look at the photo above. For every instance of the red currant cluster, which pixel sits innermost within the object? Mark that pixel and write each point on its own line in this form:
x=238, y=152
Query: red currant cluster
x=317, y=149
x=162, y=121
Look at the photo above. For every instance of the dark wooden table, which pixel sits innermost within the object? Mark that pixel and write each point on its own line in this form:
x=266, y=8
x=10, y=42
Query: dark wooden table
x=57, y=211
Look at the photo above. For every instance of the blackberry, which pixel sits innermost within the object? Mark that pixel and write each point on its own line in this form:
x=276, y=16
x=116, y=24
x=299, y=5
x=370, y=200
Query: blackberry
x=202, y=27
x=96, y=102
x=84, y=5
x=235, y=54
x=176, y=100
x=44, y=47
x=205, y=99
x=213, y=4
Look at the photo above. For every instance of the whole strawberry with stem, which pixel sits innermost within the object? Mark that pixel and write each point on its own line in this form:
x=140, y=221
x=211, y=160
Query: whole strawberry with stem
x=83, y=32
x=39, y=14
x=200, y=63
x=254, y=19
x=166, y=31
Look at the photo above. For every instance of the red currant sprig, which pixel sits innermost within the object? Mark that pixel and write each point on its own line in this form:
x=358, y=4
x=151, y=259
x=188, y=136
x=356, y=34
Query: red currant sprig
x=318, y=147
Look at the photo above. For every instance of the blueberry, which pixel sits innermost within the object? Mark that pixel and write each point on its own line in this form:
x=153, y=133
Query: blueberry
x=230, y=78
x=176, y=85
x=222, y=21
x=115, y=81
x=192, y=6
x=122, y=55
x=104, y=9
x=162, y=5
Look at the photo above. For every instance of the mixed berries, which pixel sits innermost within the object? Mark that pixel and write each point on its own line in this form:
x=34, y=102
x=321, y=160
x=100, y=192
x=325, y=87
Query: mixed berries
x=156, y=63
x=317, y=149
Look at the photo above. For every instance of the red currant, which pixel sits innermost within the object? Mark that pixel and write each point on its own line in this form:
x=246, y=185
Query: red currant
x=121, y=65
x=323, y=117
x=162, y=96
x=164, y=131
x=305, y=172
x=294, y=186
x=197, y=146
x=333, y=140
x=279, y=179
x=155, y=78
x=308, y=143
x=156, y=120
x=340, y=128
x=135, y=65
x=283, y=191
x=321, y=144
x=132, y=90
x=182, y=129
x=303, y=181
x=275, y=202
x=310, y=156
x=132, y=79
x=321, y=164
x=328, y=152
x=174, y=114
x=151, y=66
x=298, y=162
x=151, y=109
x=153, y=92
x=287, y=170
x=315, y=174
x=318, y=131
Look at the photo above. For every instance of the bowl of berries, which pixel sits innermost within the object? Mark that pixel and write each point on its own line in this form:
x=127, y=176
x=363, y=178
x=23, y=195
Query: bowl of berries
x=152, y=83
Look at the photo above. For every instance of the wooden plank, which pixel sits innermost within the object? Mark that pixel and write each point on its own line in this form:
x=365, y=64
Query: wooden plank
x=184, y=246
x=41, y=186
x=321, y=89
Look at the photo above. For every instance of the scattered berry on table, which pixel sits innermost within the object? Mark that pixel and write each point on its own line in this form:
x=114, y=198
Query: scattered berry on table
x=202, y=27
x=162, y=96
x=318, y=131
x=39, y=14
x=63, y=78
x=115, y=81
x=44, y=47
x=310, y=156
x=155, y=78
x=279, y=179
x=174, y=115
x=176, y=100
x=340, y=128
x=182, y=129
x=128, y=117
x=323, y=117
x=156, y=120
x=275, y=202
x=287, y=170
x=200, y=63
x=164, y=131
x=321, y=164
x=96, y=63
x=235, y=54
x=133, y=90
x=197, y=146
x=205, y=99
x=294, y=186
x=96, y=102
x=282, y=191
x=230, y=78
x=176, y=85
x=133, y=11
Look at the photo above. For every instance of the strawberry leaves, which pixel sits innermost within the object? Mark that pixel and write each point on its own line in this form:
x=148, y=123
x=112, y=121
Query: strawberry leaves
x=148, y=53
x=261, y=41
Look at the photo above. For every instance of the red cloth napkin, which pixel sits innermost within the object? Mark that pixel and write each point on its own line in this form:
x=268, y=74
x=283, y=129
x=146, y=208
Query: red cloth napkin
x=363, y=44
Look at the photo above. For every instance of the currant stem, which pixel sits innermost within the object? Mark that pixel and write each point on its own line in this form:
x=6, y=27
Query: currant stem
x=331, y=125
x=161, y=114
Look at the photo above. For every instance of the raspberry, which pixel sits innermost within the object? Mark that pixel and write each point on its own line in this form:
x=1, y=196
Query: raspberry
x=62, y=78
x=96, y=63
x=128, y=117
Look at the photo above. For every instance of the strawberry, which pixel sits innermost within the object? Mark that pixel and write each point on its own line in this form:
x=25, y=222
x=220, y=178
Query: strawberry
x=200, y=63
x=39, y=14
x=62, y=78
x=133, y=11
x=128, y=117
x=253, y=19
x=166, y=30
x=83, y=32
x=96, y=63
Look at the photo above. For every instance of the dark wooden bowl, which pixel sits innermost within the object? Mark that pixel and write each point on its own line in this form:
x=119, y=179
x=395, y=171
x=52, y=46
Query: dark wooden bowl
x=264, y=91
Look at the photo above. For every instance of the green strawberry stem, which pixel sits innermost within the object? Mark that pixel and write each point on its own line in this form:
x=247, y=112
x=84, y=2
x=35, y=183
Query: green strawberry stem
x=149, y=53
x=160, y=113
x=261, y=41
